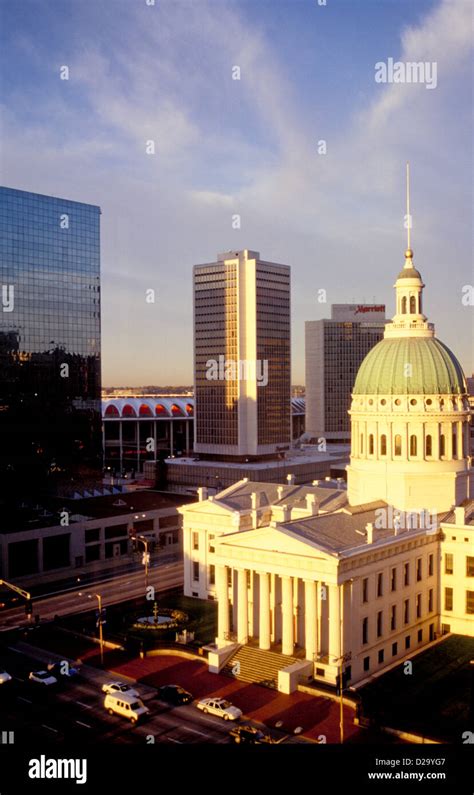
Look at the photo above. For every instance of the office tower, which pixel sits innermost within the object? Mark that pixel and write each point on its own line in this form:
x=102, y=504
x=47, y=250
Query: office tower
x=242, y=357
x=49, y=341
x=334, y=349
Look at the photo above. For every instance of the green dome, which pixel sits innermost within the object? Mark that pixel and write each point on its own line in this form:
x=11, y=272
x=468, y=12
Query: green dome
x=435, y=370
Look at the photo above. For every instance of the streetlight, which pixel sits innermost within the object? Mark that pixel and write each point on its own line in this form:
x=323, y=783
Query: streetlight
x=98, y=596
x=146, y=555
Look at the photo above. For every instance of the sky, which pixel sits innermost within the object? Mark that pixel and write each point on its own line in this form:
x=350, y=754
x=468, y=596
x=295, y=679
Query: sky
x=141, y=71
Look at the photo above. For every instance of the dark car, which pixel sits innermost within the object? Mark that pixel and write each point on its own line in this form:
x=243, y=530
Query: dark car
x=174, y=694
x=63, y=669
x=250, y=735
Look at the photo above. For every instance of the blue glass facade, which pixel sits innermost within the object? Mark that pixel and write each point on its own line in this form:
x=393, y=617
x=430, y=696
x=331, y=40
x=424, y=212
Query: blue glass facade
x=49, y=338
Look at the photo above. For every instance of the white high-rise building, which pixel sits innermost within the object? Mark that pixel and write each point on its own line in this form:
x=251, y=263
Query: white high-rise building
x=242, y=365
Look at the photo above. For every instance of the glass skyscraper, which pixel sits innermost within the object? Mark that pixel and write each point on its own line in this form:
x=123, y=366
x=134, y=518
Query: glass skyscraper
x=50, y=425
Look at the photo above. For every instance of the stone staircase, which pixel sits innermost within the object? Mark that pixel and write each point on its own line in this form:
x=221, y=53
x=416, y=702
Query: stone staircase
x=251, y=664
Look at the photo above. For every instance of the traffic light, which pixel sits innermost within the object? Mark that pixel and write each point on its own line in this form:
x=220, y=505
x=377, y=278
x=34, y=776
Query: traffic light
x=28, y=607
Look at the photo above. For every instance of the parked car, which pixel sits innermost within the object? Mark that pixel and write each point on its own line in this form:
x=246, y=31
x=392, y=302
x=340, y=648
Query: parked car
x=250, y=735
x=220, y=707
x=4, y=677
x=62, y=668
x=42, y=678
x=119, y=687
x=126, y=705
x=174, y=694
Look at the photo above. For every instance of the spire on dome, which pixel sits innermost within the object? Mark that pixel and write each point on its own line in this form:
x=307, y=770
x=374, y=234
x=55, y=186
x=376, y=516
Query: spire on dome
x=409, y=251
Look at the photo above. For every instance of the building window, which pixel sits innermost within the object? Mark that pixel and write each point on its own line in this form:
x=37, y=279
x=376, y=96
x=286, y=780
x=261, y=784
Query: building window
x=470, y=602
x=429, y=445
x=366, y=663
x=196, y=571
x=448, y=598
x=406, y=574
x=383, y=445
x=455, y=444
x=212, y=574
x=406, y=611
x=212, y=547
x=365, y=589
x=393, y=579
x=412, y=305
x=393, y=617
x=418, y=605
x=469, y=566
x=431, y=632
x=448, y=563
x=394, y=649
x=371, y=444
x=398, y=444
x=430, y=564
x=430, y=600
x=195, y=540
x=362, y=443
x=380, y=584
x=418, y=569
x=365, y=630
x=442, y=445
x=379, y=623
x=420, y=635
x=229, y=577
x=404, y=305
x=380, y=655
x=413, y=444
x=407, y=642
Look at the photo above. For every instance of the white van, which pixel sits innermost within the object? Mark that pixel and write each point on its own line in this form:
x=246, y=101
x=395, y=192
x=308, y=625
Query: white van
x=129, y=707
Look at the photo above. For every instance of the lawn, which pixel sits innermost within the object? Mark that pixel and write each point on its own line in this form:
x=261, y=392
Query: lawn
x=202, y=620
x=433, y=700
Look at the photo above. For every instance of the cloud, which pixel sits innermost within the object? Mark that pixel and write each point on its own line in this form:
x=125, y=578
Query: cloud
x=243, y=146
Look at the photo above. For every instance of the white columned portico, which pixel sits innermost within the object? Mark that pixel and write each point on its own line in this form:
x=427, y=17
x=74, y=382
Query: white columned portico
x=264, y=641
x=242, y=608
x=334, y=623
x=287, y=615
x=223, y=624
x=311, y=620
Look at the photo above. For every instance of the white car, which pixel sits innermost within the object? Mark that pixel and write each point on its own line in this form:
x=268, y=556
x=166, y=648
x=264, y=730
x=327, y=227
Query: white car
x=221, y=707
x=4, y=677
x=119, y=687
x=42, y=678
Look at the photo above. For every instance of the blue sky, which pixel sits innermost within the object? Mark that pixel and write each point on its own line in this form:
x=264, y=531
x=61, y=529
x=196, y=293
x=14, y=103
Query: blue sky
x=247, y=147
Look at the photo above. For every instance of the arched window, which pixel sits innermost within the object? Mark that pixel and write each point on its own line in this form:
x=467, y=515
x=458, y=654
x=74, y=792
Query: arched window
x=455, y=444
x=442, y=445
x=398, y=444
x=413, y=444
x=429, y=445
x=412, y=305
x=383, y=445
x=371, y=444
x=404, y=305
x=362, y=443
x=112, y=411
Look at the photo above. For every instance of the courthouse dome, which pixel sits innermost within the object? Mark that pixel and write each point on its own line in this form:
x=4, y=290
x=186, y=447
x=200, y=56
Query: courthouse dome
x=434, y=369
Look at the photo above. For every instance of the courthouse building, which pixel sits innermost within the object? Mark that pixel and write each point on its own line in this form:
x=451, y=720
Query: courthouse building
x=312, y=580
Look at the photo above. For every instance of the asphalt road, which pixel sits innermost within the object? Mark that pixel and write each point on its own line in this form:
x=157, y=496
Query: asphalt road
x=123, y=587
x=73, y=712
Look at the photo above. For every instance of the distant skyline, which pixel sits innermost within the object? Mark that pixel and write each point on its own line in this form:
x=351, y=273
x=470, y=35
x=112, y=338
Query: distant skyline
x=248, y=147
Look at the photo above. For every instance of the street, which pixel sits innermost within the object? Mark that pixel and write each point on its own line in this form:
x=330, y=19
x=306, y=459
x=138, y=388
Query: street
x=72, y=711
x=128, y=585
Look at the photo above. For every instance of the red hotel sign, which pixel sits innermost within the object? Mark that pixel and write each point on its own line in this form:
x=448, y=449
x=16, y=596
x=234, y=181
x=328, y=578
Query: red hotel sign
x=371, y=308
